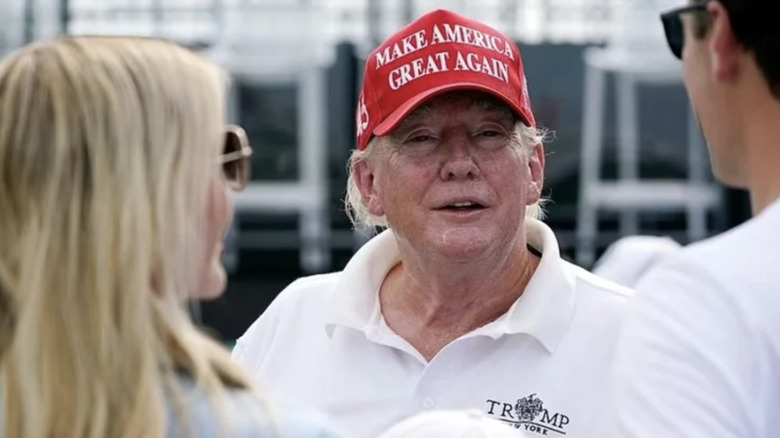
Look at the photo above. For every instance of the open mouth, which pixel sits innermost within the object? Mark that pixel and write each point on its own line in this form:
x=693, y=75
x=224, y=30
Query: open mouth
x=462, y=206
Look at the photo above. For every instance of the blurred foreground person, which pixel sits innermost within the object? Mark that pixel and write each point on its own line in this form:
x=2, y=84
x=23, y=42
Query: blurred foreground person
x=700, y=356
x=464, y=302
x=453, y=424
x=115, y=166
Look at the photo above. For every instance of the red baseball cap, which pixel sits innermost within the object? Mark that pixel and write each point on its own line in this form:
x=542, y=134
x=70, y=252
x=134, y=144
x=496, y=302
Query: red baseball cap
x=439, y=52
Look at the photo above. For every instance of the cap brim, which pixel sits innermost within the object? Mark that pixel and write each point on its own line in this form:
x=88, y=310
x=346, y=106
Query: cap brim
x=396, y=117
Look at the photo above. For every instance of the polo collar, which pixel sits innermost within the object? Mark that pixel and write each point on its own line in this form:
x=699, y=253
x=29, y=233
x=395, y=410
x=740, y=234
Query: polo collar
x=544, y=311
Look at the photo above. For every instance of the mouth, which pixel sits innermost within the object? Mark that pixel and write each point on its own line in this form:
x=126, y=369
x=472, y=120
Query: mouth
x=458, y=207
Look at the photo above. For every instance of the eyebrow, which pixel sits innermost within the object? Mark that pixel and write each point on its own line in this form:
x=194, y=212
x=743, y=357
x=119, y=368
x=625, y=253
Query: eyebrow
x=488, y=105
x=412, y=119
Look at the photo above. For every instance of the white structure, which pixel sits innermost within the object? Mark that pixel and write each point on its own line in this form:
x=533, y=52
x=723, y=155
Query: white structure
x=283, y=42
x=291, y=42
x=263, y=41
x=21, y=19
x=636, y=54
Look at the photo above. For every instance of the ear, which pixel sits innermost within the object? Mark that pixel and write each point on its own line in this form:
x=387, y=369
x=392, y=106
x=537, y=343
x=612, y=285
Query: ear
x=536, y=167
x=725, y=49
x=365, y=178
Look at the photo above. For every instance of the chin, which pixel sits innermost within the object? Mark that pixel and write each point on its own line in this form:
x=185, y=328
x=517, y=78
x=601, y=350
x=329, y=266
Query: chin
x=728, y=175
x=464, y=243
x=214, y=283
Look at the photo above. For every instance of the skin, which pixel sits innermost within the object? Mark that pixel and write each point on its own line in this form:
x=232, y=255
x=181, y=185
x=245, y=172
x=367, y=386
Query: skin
x=219, y=216
x=737, y=111
x=460, y=269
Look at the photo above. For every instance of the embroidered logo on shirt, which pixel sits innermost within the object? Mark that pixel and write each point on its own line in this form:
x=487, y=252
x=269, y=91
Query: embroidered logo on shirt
x=528, y=408
x=529, y=414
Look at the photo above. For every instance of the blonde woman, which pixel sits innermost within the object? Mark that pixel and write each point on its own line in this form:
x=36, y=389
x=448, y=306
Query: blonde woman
x=115, y=167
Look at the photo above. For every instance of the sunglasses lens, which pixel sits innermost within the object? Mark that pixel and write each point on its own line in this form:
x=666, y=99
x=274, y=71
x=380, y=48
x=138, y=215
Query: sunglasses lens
x=236, y=170
x=675, y=36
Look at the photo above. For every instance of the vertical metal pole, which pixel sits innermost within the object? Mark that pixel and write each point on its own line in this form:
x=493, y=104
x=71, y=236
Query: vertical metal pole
x=509, y=15
x=408, y=11
x=374, y=22
x=157, y=17
x=29, y=21
x=64, y=16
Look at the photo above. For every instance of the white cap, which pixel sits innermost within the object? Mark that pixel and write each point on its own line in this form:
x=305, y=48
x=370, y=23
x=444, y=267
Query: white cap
x=452, y=424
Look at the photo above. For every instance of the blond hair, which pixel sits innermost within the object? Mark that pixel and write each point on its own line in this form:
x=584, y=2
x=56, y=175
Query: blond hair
x=106, y=145
x=525, y=139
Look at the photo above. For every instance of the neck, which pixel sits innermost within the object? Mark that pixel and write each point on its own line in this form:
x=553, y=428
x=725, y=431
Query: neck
x=761, y=140
x=430, y=303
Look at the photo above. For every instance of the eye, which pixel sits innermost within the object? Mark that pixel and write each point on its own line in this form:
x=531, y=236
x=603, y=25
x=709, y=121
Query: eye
x=489, y=133
x=419, y=143
x=420, y=138
x=491, y=137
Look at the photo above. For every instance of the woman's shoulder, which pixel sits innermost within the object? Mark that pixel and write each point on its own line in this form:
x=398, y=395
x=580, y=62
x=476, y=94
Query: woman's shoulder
x=241, y=414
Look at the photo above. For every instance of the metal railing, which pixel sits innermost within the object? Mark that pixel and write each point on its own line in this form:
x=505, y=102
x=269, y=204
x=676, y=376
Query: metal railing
x=364, y=22
x=287, y=42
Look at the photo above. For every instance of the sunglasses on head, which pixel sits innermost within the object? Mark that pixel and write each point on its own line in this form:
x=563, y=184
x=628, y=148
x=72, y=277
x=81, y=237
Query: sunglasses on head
x=235, y=159
x=673, y=26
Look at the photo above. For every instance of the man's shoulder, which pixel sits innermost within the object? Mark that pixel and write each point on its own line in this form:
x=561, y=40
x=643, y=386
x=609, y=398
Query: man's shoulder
x=304, y=291
x=304, y=301
x=735, y=258
x=600, y=303
x=599, y=307
x=303, y=295
x=727, y=277
x=312, y=283
x=755, y=240
x=706, y=317
x=592, y=286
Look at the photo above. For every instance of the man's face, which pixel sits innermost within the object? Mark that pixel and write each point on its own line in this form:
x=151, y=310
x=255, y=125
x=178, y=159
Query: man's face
x=707, y=78
x=451, y=179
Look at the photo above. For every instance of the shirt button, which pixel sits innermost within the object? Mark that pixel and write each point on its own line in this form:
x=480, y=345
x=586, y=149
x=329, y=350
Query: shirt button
x=428, y=403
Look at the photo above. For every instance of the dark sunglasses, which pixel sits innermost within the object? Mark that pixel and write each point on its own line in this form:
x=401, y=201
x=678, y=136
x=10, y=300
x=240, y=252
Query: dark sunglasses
x=673, y=26
x=235, y=159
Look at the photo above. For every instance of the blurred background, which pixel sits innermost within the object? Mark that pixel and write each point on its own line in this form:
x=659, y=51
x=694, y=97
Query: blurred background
x=627, y=157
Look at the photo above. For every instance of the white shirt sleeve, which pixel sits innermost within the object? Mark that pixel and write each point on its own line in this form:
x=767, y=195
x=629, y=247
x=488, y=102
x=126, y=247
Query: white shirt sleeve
x=685, y=365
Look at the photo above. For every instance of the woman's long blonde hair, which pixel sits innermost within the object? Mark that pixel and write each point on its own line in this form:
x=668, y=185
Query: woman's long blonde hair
x=107, y=148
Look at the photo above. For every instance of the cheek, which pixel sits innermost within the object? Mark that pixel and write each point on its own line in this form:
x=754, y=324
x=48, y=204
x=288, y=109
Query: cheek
x=392, y=197
x=514, y=184
x=220, y=209
x=696, y=74
x=689, y=78
x=701, y=97
x=404, y=183
x=219, y=215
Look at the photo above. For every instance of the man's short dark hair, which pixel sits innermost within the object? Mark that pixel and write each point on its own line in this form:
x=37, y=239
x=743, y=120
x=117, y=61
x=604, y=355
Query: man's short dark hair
x=753, y=22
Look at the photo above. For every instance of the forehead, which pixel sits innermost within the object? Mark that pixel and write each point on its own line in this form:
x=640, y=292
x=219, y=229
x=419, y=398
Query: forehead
x=460, y=101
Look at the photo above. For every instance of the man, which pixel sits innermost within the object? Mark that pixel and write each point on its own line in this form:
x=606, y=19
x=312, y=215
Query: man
x=700, y=356
x=464, y=303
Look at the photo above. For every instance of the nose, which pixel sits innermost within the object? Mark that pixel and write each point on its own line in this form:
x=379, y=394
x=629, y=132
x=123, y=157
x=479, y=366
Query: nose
x=459, y=160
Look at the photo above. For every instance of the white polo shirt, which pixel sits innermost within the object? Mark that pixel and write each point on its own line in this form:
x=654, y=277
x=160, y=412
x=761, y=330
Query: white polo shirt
x=541, y=367
x=700, y=356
